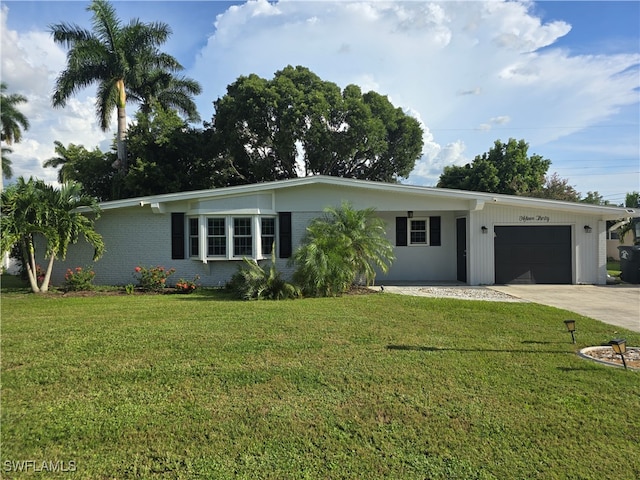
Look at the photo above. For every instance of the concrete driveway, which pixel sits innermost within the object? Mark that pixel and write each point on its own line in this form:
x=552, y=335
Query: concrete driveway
x=614, y=304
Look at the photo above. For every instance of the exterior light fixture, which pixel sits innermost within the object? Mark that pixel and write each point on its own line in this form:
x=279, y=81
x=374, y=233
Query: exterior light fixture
x=571, y=328
x=587, y=229
x=619, y=346
x=410, y=214
x=484, y=229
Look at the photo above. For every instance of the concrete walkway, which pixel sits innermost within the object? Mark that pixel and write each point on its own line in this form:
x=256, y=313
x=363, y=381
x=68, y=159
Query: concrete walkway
x=614, y=304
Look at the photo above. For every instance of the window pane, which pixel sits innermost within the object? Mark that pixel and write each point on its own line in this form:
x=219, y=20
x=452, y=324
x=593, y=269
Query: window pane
x=242, y=246
x=242, y=226
x=193, y=226
x=194, y=244
x=418, y=232
x=193, y=247
x=217, y=246
x=216, y=226
x=268, y=226
x=216, y=237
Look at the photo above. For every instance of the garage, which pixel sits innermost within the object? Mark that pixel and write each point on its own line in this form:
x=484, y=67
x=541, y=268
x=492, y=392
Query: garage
x=533, y=254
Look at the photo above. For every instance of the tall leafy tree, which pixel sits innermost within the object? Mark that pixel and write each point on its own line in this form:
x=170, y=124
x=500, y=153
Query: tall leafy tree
x=340, y=248
x=121, y=60
x=506, y=168
x=298, y=124
x=167, y=155
x=91, y=168
x=557, y=188
x=32, y=209
x=12, y=122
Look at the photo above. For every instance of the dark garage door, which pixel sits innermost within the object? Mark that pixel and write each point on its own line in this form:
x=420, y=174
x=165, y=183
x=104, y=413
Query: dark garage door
x=540, y=254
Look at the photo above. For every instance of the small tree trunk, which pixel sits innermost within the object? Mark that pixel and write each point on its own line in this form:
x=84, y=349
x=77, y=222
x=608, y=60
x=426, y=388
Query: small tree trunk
x=45, y=283
x=30, y=263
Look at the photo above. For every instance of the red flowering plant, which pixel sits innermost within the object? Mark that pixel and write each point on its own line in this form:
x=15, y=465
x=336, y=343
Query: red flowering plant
x=153, y=279
x=79, y=279
x=187, y=286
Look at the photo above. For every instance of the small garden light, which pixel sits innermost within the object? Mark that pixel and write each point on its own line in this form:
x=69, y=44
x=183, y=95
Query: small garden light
x=571, y=327
x=619, y=346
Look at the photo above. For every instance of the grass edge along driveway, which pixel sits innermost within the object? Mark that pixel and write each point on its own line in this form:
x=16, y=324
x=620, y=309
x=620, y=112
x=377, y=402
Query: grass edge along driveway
x=371, y=386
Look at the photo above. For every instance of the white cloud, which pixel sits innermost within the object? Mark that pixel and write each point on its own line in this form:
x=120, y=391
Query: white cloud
x=472, y=71
x=30, y=64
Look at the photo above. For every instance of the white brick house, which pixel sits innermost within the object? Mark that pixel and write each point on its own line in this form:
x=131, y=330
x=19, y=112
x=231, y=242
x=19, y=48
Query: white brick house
x=439, y=235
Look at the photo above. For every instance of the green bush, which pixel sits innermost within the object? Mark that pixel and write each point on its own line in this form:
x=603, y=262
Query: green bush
x=253, y=282
x=153, y=279
x=341, y=248
x=79, y=279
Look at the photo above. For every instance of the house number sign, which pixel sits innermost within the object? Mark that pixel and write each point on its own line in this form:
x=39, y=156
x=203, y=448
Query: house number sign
x=535, y=218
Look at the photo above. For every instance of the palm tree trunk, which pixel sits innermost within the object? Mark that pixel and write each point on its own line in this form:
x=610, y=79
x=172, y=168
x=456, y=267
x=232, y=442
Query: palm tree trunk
x=30, y=264
x=122, y=126
x=121, y=140
x=45, y=283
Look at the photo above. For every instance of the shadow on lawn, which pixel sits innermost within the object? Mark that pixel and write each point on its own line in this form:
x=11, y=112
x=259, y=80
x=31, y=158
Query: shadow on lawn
x=417, y=348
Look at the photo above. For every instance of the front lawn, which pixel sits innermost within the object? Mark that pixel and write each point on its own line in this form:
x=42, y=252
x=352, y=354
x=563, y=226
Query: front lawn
x=369, y=386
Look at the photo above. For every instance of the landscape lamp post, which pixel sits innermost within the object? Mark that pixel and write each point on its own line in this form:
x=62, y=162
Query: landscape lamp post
x=619, y=346
x=571, y=327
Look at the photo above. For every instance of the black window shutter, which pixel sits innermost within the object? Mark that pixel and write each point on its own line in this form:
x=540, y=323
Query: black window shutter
x=177, y=236
x=284, y=224
x=434, y=232
x=401, y=231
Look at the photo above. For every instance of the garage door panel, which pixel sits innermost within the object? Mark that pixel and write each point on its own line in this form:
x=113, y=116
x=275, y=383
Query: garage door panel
x=533, y=254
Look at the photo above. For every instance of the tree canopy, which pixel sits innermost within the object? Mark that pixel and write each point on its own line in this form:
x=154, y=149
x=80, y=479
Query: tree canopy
x=506, y=168
x=298, y=124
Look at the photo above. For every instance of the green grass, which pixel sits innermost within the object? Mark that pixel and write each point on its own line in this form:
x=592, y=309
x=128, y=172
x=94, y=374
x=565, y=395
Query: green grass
x=613, y=268
x=374, y=386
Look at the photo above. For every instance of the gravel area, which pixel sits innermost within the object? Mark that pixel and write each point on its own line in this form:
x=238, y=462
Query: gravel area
x=462, y=292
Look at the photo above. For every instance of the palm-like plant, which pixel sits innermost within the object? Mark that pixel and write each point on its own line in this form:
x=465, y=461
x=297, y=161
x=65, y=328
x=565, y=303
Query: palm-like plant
x=254, y=282
x=12, y=119
x=341, y=248
x=32, y=208
x=12, y=122
x=7, y=171
x=118, y=58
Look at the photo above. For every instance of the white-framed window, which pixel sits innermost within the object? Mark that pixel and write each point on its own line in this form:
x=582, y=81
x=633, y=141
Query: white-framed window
x=418, y=231
x=242, y=237
x=216, y=237
x=267, y=234
x=194, y=237
x=231, y=237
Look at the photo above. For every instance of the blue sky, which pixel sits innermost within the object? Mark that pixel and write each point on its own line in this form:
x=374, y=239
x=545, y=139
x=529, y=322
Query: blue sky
x=564, y=76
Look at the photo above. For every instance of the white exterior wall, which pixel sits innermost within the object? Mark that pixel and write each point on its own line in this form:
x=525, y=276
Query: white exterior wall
x=589, y=249
x=141, y=235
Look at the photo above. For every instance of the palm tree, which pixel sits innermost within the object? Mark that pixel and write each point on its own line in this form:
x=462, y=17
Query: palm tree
x=340, y=248
x=32, y=208
x=11, y=118
x=115, y=57
x=7, y=171
x=11, y=121
x=161, y=88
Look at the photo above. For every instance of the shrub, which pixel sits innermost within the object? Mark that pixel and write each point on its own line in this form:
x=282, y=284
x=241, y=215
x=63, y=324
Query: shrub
x=253, y=282
x=79, y=279
x=153, y=279
x=340, y=248
x=187, y=286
